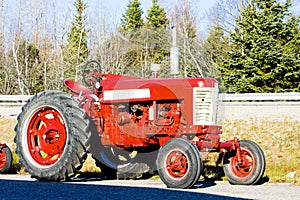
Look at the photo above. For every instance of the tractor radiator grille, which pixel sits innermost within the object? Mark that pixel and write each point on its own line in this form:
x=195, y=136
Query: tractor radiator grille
x=205, y=102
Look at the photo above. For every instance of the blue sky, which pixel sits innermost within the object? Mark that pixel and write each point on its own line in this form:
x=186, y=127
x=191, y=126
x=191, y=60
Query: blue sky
x=61, y=12
x=118, y=7
x=104, y=14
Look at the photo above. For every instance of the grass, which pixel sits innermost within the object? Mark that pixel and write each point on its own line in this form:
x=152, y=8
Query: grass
x=279, y=139
x=7, y=132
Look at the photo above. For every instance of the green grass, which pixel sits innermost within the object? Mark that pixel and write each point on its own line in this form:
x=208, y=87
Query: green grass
x=279, y=139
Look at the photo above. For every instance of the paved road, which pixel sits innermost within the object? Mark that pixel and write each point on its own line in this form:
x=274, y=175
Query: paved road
x=23, y=187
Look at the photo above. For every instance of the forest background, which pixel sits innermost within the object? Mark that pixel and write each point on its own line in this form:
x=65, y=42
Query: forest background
x=248, y=45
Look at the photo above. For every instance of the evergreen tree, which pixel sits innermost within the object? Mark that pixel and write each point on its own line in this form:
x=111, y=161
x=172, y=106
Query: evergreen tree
x=76, y=51
x=216, y=47
x=145, y=43
x=156, y=17
x=216, y=43
x=264, y=55
x=156, y=22
x=132, y=19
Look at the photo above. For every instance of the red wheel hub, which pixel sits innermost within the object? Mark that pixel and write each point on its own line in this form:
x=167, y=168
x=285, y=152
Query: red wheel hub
x=177, y=164
x=46, y=136
x=244, y=169
x=2, y=159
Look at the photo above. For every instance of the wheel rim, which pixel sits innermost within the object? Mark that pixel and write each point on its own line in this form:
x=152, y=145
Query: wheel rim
x=2, y=159
x=244, y=169
x=177, y=164
x=46, y=136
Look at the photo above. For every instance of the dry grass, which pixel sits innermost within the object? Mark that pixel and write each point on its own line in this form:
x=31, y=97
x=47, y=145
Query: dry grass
x=7, y=132
x=279, y=139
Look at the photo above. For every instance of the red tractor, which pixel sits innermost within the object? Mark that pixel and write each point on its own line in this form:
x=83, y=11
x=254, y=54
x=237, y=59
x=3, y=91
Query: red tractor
x=131, y=126
x=5, y=158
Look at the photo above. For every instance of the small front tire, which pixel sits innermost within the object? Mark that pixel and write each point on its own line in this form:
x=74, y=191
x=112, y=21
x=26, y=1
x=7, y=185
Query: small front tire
x=252, y=168
x=179, y=164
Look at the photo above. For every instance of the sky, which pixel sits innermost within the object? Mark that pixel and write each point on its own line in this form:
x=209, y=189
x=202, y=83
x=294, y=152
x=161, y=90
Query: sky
x=104, y=14
x=97, y=11
x=110, y=10
x=118, y=7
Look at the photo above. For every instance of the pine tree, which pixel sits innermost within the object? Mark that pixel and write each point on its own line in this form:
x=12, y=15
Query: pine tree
x=264, y=54
x=156, y=22
x=132, y=18
x=156, y=17
x=76, y=50
x=216, y=47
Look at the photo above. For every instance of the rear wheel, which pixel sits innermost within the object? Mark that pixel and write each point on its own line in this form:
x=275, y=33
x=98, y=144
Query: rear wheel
x=179, y=164
x=51, y=137
x=5, y=159
x=250, y=170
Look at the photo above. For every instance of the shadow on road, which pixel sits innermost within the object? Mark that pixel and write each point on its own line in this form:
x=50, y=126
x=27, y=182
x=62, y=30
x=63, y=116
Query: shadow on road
x=11, y=189
x=204, y=184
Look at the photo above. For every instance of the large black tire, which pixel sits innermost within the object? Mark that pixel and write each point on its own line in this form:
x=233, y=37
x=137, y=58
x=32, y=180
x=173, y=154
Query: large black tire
x=179, y=164
x=51, y=136
x=253, y=168
x=5, y=159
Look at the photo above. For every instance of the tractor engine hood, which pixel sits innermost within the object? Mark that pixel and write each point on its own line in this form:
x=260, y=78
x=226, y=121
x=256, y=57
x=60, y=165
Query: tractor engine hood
x=123, y=88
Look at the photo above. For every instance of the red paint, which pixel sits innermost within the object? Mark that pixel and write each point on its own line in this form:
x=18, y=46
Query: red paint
x=46, y=136
x=177, y=164
x=244, y=166
x=148, y=118
x=2, y=159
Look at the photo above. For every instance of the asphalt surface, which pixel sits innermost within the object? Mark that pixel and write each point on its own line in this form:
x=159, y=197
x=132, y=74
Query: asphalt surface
x=23, y=187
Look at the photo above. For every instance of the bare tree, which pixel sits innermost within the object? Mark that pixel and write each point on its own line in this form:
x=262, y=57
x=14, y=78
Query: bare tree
x=193, y=57
x=31, y=47
x=225, y=13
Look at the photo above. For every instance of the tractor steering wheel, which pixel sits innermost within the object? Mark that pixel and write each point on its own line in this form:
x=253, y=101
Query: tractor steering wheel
x=90, y=74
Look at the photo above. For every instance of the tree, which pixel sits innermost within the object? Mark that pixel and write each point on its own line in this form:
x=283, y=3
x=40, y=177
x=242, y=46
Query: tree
x=155, y=31
x=191, y=51
x=216, y=47
x=264, y=55
x=132, y=18
x=76, y=50
x=26, y=71
x=156, y=17
x=143, y=44
x=225, y=12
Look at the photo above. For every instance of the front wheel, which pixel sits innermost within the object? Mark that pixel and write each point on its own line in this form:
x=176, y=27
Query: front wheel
x=51, y=136
x=250, y=170
x=5, y=159
x=179, y=164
